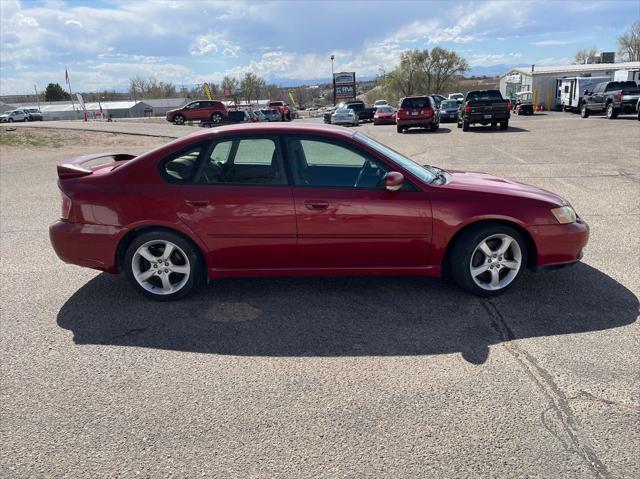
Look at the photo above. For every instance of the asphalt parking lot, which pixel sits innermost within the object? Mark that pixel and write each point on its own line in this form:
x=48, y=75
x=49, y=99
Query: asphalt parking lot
x=330, y=377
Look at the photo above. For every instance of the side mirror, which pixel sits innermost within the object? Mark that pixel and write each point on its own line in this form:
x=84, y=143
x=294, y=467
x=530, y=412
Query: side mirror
x=393, y=181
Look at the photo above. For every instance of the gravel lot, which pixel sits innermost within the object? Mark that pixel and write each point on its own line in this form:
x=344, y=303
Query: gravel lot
x=317, y=377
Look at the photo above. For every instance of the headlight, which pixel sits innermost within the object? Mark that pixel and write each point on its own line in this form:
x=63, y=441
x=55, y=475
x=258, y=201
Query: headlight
x=564, y=214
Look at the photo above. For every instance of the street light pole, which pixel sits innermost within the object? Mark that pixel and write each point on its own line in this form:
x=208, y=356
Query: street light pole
x=333, y=81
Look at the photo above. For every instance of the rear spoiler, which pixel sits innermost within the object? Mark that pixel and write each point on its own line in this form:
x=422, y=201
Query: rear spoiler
x=74, y=168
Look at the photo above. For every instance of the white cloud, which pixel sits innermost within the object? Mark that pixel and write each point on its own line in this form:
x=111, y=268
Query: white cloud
x=489, y=59
x=546, y=43
x=73, y=23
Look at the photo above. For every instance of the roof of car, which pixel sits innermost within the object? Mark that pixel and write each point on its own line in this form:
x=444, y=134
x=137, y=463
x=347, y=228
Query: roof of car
x=275, y=128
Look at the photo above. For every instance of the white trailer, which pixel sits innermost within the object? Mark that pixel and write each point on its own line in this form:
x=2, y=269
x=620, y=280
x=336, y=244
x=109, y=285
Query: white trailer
x=572, y=89
x=627, y=75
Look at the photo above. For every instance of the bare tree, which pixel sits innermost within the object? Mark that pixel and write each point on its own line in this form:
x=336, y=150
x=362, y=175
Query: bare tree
x=582, y=56
x=629, y=43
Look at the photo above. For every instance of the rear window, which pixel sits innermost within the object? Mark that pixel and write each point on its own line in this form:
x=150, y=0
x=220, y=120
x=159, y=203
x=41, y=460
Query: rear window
x=449, y=104
x=385, y=109
x=484, y=95
x=422, y=102
x=622, y=85
x=276, y=103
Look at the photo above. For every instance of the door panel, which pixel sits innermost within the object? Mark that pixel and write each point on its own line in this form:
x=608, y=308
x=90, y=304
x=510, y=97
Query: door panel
x=242, y=226
x=353, y=227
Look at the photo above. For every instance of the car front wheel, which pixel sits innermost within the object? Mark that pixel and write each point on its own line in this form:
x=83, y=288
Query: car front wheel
x=488, y=259
x=178, y=119
x=163, y=266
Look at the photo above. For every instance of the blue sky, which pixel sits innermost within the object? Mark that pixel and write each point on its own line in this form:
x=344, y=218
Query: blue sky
x=192, y=41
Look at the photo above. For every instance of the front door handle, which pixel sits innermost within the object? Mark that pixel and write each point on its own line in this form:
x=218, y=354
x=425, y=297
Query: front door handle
x=197, y=203
x=316, y=204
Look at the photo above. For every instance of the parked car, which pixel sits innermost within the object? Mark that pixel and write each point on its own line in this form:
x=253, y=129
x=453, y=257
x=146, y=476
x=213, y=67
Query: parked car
x=456, y=96
x=417, y=111
x=638, y=109
x=385, y=115
x=572, y=89
x=34, y=114
x=364, y=113
x=259, y=115
x=486, y=107
x=337, y=203
x=271, y=114
x=438, y=99
x=14, y=115
x=239, y=116
x=612, y=97
x=326, y=116
x=283, y=109
x=378, y=103
x=344, y=116
x=202, y=110
x=449, y=110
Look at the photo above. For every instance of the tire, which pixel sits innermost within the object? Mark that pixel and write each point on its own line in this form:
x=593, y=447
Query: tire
x=493, y=275
x=584, y=111
x=612, y=112
x=178, y=120
x=434, y=126
x=494, y=124
x=459, y=124
x=399, y=129
x=216, y=118
x=504, y=125
x=164, y=283
x=465, y=126
x=10, y=120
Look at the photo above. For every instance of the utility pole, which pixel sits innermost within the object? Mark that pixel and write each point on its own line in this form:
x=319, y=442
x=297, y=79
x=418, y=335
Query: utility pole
x=333, y=80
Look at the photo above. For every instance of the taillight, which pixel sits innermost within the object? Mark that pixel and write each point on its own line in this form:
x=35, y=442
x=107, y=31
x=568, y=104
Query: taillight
x=66, y=206
x=467, y=108
x=619, y=96
x=429, y=111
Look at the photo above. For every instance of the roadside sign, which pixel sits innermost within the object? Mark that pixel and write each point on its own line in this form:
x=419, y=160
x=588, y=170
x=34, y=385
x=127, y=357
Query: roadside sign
x=344, y=85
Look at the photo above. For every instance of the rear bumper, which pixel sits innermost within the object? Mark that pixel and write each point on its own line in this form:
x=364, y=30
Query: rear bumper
x=480, y=117
x=559, y=245
x=88, y=245
x=424, y=121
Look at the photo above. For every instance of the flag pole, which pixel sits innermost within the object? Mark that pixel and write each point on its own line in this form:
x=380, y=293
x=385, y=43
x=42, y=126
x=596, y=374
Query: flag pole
x=66, y=77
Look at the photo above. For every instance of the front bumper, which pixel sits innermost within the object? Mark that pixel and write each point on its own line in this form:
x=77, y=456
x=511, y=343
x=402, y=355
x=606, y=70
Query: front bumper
x=88, y=245
x=560, y=244
x=352, y=121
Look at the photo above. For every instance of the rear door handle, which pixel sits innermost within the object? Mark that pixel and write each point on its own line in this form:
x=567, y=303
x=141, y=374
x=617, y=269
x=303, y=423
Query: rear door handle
x=316, y=204
x=197, y=203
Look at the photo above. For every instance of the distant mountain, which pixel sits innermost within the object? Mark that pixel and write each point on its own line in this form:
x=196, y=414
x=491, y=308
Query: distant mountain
x=493, y=70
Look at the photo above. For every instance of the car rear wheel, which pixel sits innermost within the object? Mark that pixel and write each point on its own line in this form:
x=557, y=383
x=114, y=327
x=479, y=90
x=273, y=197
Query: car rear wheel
x=399, y=129
x=10, y=120
x=584, y=111
x=163, y=266
x=216, y=118
x=434, y=126
x=465, y=126
x=488, y=259
x=612, y=113
x=504, y=125
x=178, y=119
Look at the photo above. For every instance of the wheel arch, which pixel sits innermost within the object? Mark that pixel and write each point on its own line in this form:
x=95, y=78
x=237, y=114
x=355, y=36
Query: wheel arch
x=532, y=251
x=132, y=234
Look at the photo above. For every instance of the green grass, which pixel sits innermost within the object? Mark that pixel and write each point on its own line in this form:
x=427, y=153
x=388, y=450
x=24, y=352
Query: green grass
x=29, y=140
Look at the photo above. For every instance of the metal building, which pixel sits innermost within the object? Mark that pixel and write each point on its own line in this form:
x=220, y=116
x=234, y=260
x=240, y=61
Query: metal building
x=542, y=80
x=64, y=110
x=162, y=106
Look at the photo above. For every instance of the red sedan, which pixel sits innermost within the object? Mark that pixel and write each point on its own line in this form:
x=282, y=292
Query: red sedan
x=384, y=115
x=282, y=199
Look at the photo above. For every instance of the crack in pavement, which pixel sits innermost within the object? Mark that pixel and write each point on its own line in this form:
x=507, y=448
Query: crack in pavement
x=567, y=432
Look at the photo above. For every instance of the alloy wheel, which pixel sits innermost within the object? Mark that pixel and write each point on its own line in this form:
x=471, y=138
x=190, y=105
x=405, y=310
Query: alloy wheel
x=495, y=262
x=160, y=267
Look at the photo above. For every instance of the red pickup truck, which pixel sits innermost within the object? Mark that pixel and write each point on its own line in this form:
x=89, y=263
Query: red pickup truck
x=283, y=109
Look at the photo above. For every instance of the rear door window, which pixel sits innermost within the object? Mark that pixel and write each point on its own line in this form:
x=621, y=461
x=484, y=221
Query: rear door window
x=484, y=95
x=250, y=161
x=180, y=167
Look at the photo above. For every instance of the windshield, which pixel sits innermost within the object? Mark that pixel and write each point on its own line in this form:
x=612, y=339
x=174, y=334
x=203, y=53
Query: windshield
x=343, y=111
x=450, y=104
x=385, y=109
x=397, y=158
